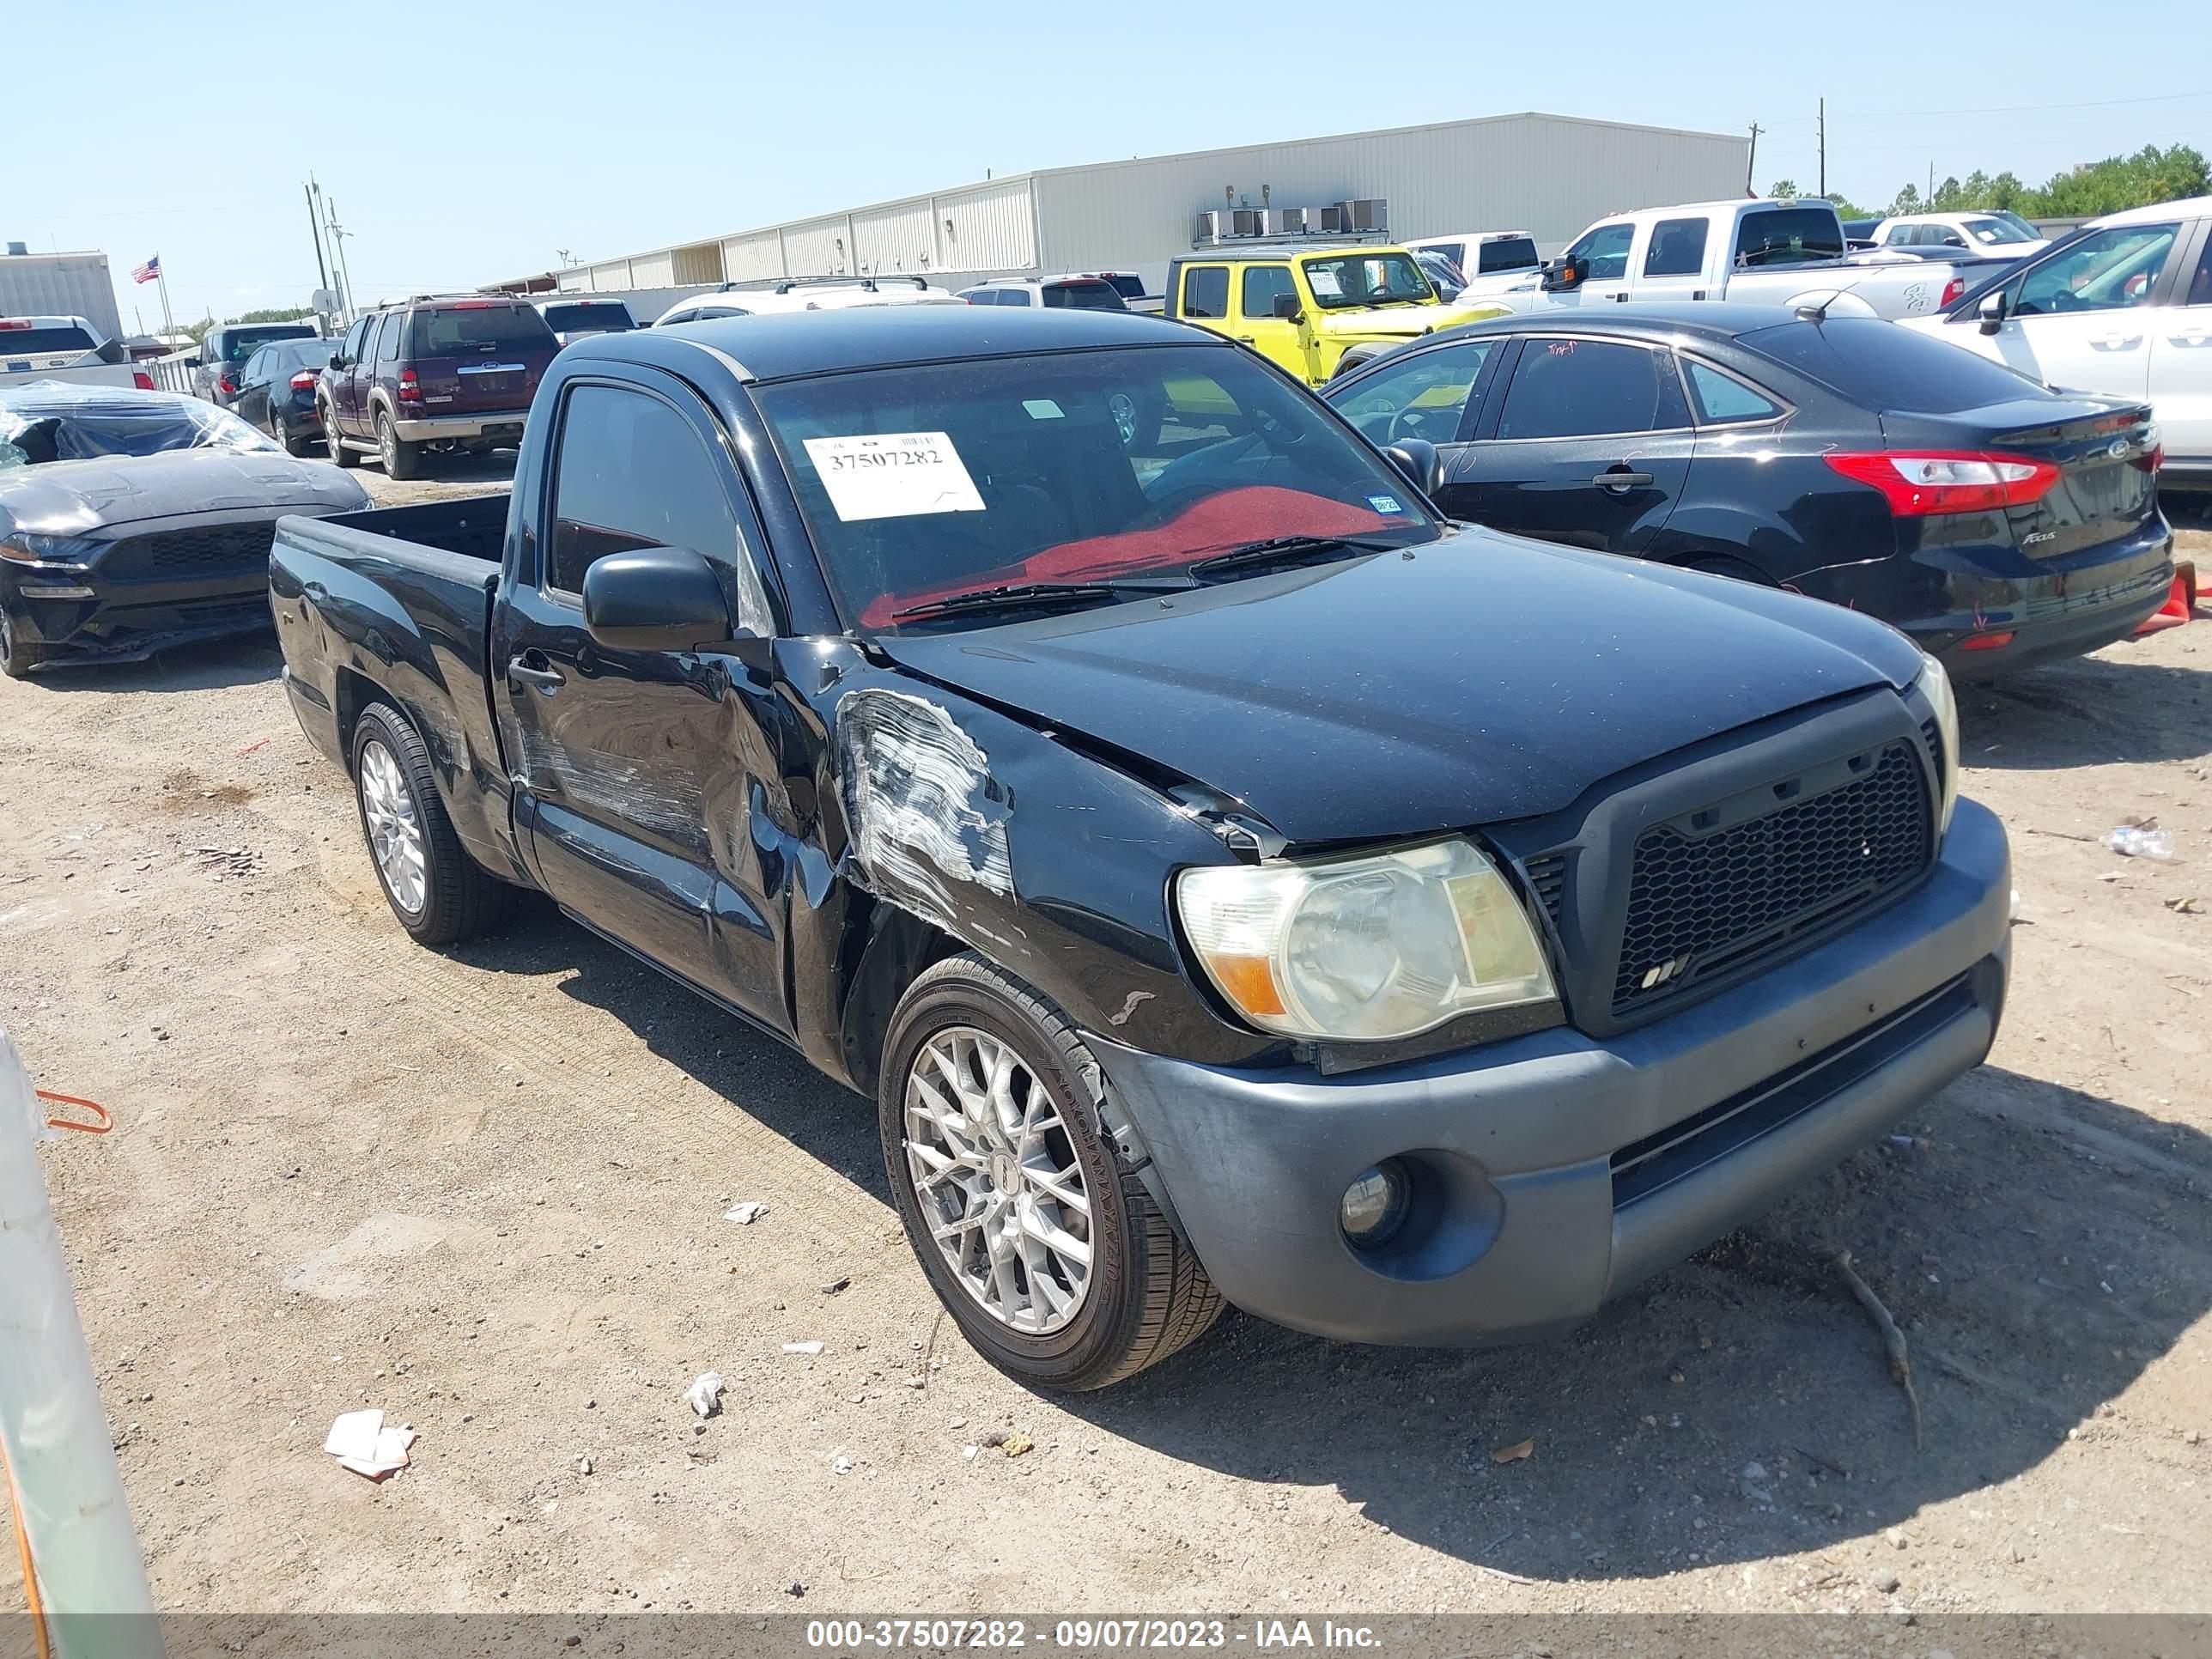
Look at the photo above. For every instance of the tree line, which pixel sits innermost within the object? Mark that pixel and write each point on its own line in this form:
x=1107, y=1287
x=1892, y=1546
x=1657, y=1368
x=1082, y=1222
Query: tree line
x=2086, y=191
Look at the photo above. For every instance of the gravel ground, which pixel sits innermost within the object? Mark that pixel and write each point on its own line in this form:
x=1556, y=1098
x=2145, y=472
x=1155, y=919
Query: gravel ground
x=481, y=1189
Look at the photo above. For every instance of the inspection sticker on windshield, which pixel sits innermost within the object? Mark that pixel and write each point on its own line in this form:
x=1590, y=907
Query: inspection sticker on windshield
x=893, y=474
x=1386, y=504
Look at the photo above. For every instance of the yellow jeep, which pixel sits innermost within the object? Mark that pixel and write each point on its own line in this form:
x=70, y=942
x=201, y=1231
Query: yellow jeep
x=1304, y=307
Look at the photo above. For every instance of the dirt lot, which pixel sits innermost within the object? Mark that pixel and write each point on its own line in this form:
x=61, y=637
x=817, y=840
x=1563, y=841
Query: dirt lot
x=483, y=1190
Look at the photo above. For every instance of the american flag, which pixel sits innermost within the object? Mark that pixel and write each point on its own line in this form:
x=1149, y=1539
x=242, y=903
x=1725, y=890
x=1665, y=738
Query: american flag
x=147, y=272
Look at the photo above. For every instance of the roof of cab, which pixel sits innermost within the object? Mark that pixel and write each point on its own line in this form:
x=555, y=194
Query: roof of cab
x=780, y=346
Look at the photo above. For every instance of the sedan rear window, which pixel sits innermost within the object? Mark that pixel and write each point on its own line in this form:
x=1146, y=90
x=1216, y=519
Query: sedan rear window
x=41, y=341
x=1880, y=366
x=463, y=329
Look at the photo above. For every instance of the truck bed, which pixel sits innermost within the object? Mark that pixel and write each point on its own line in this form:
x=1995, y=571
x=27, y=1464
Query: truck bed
x=395, y=604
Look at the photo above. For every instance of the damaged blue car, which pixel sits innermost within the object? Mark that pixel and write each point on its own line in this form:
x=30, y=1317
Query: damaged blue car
x=1234, y=882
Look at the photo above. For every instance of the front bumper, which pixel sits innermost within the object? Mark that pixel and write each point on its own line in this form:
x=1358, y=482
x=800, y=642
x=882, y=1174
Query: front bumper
x=80, y=614
x=496, y=425
x=1555, y=1171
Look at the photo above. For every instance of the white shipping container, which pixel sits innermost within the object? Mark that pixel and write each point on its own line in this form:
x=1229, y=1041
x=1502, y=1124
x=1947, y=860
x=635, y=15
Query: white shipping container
x=61, y=285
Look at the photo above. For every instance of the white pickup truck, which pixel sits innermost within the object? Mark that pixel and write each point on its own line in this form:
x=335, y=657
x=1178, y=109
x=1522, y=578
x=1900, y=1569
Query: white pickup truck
x=1774, y=252
x=64, y=349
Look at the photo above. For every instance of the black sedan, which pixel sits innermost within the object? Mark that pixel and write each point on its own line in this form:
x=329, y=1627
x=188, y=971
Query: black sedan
x=131, y=520
x=276, y=392
x=1996, y=521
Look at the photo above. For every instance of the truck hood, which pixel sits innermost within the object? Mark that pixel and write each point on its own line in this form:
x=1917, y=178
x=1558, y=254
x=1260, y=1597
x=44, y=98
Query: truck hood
x=67, y=497
x=1481, y=679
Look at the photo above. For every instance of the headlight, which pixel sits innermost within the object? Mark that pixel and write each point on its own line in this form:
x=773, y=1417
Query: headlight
x=1364, y=950
x=37, y=546
x=1935, y=685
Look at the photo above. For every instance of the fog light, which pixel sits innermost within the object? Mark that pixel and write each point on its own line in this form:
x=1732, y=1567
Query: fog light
x=1375, y=1204
x=53, y=591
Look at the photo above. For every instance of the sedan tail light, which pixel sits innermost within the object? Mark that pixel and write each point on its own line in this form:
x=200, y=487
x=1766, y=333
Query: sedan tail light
x=304, y=381
x=1917, y=484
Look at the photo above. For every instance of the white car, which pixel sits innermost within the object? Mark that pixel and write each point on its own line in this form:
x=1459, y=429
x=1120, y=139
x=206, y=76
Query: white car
x=1074, y=291
x=806, y=294
x=2123, y=307
x=1993, y=235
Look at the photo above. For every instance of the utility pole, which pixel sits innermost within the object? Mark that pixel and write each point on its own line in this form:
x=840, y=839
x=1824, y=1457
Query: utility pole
x=339, y=234
x=1751, y=163
x=1824, y=149
x=322, y=270
x=1930, y=199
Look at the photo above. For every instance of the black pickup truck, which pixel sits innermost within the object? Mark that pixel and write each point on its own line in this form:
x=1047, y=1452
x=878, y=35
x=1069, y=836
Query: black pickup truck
x=1232, y=881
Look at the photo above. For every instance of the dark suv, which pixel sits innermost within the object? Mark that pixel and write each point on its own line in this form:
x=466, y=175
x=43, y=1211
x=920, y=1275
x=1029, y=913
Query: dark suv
x=445, y=372
x=224, y=352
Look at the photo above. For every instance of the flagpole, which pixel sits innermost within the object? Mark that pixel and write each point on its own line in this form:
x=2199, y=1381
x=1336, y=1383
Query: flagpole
x=162, y=276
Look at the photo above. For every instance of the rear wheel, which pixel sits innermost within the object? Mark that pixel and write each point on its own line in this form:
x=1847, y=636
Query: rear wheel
x=17, y=656
x=437, y=891
x=294, y=443
x=1037, y=1236
x=339, y=453
x=401, y=458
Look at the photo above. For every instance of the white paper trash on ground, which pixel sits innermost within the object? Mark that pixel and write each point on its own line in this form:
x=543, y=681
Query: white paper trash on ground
x=360, y=1443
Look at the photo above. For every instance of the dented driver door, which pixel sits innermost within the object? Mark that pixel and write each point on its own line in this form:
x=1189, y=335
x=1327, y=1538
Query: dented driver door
x=641, y=774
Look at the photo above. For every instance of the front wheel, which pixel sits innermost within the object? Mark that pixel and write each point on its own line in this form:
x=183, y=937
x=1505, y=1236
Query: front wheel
x=17, y=657
x=1035, y=1234
x=437, y=891
x=402, y=460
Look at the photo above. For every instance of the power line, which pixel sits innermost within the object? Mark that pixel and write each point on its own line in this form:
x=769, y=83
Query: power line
x=2017, y=109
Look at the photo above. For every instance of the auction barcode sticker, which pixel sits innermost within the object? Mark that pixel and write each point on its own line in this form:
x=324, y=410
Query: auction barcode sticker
x=893, y=474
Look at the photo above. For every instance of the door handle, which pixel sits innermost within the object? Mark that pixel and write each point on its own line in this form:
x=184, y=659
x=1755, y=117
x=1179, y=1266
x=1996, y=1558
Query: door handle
x=1247, y=339
x=2114, y=340
x=1620, y=477
x=548, y=680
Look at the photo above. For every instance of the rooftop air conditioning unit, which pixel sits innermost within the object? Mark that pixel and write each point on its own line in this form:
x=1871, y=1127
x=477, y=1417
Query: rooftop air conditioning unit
x=1328, y=221
x=1212, y=227
x=1248, y=222
x=1371, y=213
x=1302, y=222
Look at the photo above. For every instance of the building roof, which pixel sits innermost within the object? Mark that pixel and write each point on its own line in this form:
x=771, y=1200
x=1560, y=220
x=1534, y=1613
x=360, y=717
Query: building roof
x=1226, y=153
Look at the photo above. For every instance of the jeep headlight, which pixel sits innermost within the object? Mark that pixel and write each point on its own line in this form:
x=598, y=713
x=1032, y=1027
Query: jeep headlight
x=1364, y=950
x=1935, y=685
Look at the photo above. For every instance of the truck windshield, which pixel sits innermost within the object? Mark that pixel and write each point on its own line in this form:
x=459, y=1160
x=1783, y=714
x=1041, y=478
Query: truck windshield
x=1999, y=231
x=240, y=343
x=922, y=484
x=1367, y=279
x=1789, y=236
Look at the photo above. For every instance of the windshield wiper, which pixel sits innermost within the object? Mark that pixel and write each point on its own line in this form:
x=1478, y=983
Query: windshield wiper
x=1281, y=549
x=1016, y=596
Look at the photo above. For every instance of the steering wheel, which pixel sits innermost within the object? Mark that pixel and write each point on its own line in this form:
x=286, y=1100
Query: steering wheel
x=1415, y=422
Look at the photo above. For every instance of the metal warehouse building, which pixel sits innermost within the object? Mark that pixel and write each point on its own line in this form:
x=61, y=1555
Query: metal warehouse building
x=1547, y=174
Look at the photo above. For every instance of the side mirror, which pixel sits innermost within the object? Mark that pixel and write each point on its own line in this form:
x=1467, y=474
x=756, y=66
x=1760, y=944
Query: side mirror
x=339, y=359
x=655, y=599
x=1287, y=309
x=1562, y=276
x=1991, y=311
x=1417, y=459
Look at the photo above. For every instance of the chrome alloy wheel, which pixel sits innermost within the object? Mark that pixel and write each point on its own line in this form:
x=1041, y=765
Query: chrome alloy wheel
x=998, y=1180
x=395, y=833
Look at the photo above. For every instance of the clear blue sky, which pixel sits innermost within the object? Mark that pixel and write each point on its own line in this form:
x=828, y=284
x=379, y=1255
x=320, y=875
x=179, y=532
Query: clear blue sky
x=464, y=141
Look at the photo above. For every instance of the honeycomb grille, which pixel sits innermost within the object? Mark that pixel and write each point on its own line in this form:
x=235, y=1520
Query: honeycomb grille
x=1699, y=906
x=194, y=552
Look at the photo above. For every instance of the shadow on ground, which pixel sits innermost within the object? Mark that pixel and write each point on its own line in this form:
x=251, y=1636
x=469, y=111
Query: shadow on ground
x=2011, y=1211
x=203, y=665
x=2090, y=711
